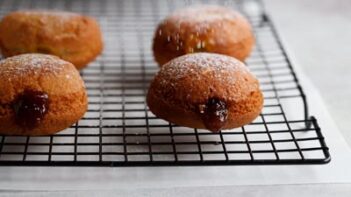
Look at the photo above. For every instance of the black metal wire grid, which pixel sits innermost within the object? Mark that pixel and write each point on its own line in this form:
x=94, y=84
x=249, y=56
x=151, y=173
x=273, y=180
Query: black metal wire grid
x=119, y=130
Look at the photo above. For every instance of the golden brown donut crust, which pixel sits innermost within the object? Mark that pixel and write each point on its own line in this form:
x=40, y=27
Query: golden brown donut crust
x=212, y=29
x=72, y=37
x=187, y=82
x=37, y=72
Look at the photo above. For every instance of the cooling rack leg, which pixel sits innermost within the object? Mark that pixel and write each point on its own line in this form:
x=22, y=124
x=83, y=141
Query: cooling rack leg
x=305, y=106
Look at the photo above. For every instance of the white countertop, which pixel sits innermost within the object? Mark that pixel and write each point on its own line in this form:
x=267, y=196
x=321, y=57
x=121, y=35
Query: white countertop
x=318, y=34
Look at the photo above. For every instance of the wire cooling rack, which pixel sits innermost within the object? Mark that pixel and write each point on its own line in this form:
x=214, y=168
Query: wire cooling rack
x=119, y=130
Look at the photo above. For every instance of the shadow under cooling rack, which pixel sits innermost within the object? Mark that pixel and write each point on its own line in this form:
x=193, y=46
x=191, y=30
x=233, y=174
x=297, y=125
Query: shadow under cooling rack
x=119, y=130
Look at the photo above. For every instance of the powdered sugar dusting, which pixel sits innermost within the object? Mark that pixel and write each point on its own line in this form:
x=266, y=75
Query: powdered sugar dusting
x=203, y=13
x=202, y=63
x=190, y=28
x=201, y=18
x=30, y=63
x=44, y=13
x=44, y=16
x=203, y=75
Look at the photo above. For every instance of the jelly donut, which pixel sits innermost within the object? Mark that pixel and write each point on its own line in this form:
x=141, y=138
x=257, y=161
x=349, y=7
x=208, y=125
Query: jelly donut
x=208, y=28
x=205, y=90
x=39, y=95
x=72, y=37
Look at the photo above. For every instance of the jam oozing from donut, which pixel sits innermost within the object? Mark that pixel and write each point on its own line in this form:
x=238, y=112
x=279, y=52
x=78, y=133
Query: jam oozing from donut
x=214, y=114
x=30, y=108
